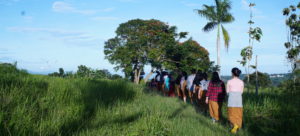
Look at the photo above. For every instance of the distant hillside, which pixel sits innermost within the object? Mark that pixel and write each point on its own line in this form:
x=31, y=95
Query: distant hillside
x=275, y=78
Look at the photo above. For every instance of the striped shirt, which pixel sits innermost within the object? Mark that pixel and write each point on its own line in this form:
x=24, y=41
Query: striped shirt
x=216, y=91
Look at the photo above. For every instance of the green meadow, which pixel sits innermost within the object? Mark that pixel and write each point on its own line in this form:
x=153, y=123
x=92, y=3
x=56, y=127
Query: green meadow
x=47, y=106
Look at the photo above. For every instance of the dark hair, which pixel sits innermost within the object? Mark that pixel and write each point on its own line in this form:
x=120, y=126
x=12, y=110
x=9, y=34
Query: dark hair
x=236, y=72
x=204, y=75
x=215, y=77
x=193, y=71
x=184, y=74
x=157, y=72
x=198, y=78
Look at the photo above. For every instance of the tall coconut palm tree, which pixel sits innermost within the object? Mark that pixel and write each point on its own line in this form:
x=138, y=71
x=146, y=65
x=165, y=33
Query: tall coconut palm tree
x=217, y=15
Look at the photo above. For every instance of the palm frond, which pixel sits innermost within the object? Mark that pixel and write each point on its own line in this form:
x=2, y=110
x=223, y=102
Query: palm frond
x=209, y=26
x=293, y=8
x=252, y=4
x=286, y=11
x=218, y=4
x=226, y=4
x=226, y=37
x=227, y=18
x=223, y=10
x=208, y=12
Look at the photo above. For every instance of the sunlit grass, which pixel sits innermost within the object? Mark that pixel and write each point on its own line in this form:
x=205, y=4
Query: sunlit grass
x=41, y=105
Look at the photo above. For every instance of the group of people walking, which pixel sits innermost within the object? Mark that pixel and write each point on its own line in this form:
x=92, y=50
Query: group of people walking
x=208, y=94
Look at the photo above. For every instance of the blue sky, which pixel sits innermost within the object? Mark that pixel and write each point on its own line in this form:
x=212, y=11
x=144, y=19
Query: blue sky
x=43, y=36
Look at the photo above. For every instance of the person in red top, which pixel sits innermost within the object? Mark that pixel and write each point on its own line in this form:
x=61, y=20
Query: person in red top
x=215, y=96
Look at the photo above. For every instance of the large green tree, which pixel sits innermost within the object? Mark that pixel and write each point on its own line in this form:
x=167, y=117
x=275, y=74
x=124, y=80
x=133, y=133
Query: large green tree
x=138, y=43
x=186, y=56
x=217, y=15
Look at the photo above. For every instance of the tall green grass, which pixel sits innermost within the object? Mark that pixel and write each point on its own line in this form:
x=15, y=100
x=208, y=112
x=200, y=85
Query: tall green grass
x=41, y=105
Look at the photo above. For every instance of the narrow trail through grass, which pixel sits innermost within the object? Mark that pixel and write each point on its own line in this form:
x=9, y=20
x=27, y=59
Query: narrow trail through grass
x=42, y=105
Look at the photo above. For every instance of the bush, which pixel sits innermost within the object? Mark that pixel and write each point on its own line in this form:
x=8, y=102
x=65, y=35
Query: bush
x=263, y=79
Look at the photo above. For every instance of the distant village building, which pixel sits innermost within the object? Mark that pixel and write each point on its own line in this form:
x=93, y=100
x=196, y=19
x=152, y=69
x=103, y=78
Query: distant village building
x=276, y=75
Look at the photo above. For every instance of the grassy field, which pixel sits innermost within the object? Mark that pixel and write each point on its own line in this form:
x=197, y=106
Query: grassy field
x=42, y=105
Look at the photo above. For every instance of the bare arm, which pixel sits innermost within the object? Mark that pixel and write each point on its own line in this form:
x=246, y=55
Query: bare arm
x=227, y=86
x=200, y=89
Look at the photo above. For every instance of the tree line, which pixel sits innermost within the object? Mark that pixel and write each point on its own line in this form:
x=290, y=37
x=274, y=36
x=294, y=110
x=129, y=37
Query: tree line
x=86, y=72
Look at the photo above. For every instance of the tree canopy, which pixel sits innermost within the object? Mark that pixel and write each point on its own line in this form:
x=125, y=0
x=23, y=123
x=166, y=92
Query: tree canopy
x=140, y=42
x=186, y=56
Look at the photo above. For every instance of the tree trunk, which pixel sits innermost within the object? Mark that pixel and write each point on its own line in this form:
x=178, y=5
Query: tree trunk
x=218, y=49
x=256, y=77
x=248, y=72
x=137, y=76
x=148, y=76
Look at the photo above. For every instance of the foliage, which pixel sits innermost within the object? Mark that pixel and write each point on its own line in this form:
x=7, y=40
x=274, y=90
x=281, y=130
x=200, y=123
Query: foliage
x=60, y=73
x=263, y=79
x=293, y=34
x=140, y=42
x=86, y=72
x=255, y=34
x=186, y=56
x=246, y=54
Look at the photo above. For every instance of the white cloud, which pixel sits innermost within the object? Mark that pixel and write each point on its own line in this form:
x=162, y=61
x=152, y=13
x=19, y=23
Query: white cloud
x=189, y=4
x=64, y=7
x=127, y=0
x=104, y=18
x=54, y=31
x=70, y=37
x=8, y=2
x=60, y=6
x=108, y=9
x=245, y=4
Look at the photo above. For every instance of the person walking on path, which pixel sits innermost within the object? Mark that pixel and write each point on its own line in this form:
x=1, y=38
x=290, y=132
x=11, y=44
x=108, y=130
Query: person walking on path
x=166, y=84
x=197, y=85
x=177, y=85
x=190, y=86
x=157, y=80
x=202, y=93
x=183, y=85
x=235, y=88
x=215, y=96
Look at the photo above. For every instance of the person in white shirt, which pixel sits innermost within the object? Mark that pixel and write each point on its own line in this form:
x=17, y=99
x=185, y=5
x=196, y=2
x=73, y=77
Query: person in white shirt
x=202, y=93
x=157, y=79
x=189, y=85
